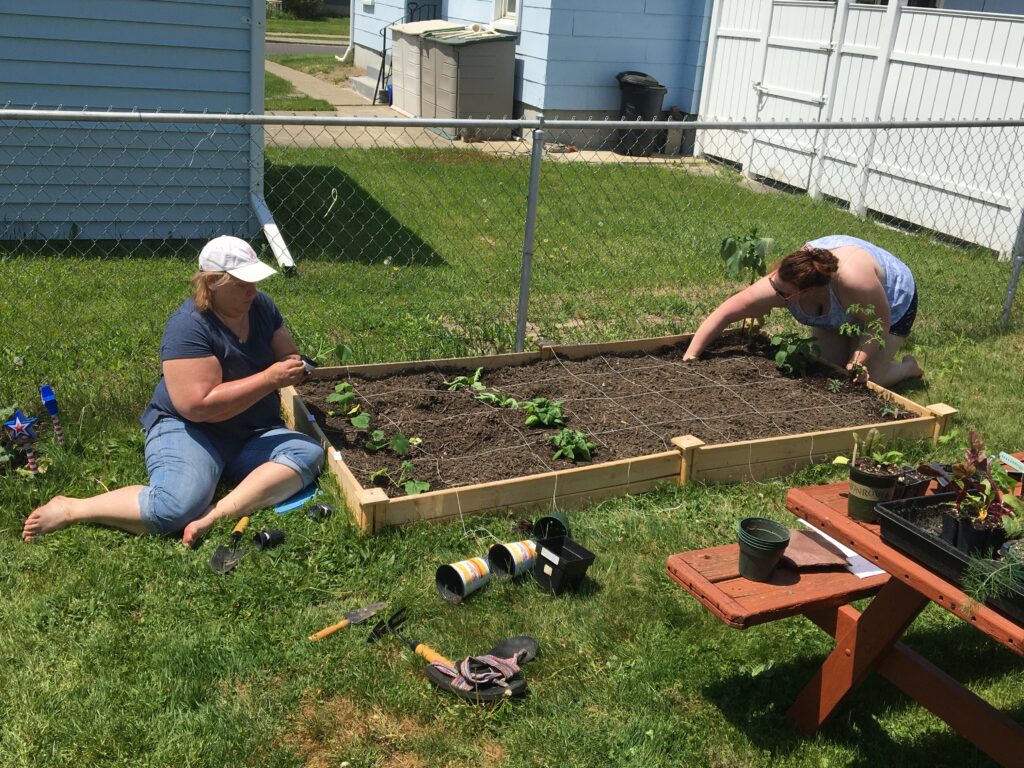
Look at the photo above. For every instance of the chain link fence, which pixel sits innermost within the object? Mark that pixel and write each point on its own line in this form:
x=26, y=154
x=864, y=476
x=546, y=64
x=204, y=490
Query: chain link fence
x=414, y=239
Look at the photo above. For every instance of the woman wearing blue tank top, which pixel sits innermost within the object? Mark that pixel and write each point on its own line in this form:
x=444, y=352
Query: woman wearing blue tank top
x=817, y=284
x=215, y=411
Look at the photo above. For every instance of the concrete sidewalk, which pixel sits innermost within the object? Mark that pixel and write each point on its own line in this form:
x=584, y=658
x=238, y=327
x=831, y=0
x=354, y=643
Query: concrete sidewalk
x=297, y=37
x=337, y=96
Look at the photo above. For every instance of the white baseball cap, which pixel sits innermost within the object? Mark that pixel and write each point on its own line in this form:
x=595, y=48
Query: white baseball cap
x=234, y=256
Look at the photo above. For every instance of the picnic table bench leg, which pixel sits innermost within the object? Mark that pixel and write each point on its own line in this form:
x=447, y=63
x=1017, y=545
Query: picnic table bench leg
x=993, y=732
x=860, y=645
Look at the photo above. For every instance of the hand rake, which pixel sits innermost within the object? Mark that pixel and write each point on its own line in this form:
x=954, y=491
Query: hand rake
x=390, y=626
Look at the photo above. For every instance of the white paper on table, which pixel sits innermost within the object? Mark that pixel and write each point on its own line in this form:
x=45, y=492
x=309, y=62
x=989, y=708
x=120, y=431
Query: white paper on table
x=859, y=565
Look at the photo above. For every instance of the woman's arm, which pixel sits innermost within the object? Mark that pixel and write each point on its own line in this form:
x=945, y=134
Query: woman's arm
x=755, y=300
x=199, y=393
x=282, y=345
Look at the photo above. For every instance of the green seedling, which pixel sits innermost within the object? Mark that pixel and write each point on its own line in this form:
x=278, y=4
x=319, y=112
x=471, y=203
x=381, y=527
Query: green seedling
x=467, y=382
x=343, y=352
x=870, y=330
x=573, y=445
x=870, y=447
x=362, y=421
x=543, y=413
x=376, y=441
x=746, y=253
x=794, y=354
x=498, y=400
x=406, y=479
x=893, y=411
x=344, y=395
x=400, y=444
x=834, y=386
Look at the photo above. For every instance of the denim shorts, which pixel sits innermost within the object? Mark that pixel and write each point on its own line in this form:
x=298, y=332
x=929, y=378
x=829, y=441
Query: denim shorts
x=184, y=469
x=902, y=328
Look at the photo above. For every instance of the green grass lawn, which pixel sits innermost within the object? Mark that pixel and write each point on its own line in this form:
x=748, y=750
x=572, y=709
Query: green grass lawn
x=121, y=651
x=324, y=27
x=327, y=67
x=281, y=96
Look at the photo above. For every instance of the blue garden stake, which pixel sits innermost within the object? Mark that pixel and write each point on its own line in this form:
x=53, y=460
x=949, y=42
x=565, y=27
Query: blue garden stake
x=50, y=402
x=21, y=431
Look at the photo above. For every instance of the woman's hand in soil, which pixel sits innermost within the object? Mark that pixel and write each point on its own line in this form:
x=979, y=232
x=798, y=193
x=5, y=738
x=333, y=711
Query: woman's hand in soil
x=286, y=372
x=858, y=372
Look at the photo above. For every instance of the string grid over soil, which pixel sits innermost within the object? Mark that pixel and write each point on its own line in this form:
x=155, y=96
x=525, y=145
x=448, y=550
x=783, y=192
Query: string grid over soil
x=629, y=405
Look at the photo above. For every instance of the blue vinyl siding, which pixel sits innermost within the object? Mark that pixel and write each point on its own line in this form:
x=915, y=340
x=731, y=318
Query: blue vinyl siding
x=117, y=180
x=570, y=50
x=368, y=20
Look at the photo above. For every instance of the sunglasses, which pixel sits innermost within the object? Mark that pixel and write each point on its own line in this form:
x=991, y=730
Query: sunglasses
x=780, y=294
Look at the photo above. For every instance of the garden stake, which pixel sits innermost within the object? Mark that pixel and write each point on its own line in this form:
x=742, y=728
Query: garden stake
x=50, y=403
x=390, y=626
x=23, y=434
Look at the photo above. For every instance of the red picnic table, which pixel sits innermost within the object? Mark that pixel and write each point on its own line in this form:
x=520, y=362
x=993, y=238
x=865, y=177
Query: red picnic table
x=865, y=641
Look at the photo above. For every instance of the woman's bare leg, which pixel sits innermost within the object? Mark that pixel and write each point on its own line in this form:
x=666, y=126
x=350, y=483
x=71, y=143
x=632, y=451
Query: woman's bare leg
x=265, y=486
x=115, y=509
x=885, y=370
x=834, y=348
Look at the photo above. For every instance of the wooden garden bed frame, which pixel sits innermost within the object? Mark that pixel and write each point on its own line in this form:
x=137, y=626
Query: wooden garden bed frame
x=691, y=461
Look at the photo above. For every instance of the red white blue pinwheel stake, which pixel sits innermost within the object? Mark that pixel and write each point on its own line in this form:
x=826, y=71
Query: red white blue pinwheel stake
x=50, y=401
x=21, y=431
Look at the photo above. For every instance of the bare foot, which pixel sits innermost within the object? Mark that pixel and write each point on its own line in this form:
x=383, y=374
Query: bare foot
x=915, y=367
x=52, y=516
x=196, y=530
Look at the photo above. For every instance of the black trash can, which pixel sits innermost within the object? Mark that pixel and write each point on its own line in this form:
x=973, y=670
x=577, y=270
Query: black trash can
x=642, y=97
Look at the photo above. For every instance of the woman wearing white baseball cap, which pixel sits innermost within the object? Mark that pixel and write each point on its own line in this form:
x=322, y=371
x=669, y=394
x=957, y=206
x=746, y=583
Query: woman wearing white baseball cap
x=216, y=410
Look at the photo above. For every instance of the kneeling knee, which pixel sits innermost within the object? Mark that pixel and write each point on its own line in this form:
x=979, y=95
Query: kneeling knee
x=169, y=512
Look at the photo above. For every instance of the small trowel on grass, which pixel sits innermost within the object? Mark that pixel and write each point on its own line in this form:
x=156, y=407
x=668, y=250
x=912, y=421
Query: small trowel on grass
x=226, y=558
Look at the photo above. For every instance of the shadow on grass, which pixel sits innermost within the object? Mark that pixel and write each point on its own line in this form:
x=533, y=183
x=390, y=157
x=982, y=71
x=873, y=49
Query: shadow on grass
x=758, y=705
x=351, y=226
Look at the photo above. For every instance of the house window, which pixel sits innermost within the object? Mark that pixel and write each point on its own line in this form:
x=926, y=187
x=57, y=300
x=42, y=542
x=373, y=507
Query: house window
x=506, y=15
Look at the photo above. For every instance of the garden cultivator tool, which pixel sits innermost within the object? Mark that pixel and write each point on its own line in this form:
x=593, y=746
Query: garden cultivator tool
x=390, y=626
x=225, y=558
x=352, y=617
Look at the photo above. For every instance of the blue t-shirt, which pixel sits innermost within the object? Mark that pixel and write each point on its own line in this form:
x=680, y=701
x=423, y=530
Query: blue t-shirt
x=190, y=334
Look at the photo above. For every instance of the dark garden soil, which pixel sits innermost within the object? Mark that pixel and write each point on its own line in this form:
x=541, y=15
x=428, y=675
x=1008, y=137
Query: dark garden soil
x=928, y=518
x=629, y=405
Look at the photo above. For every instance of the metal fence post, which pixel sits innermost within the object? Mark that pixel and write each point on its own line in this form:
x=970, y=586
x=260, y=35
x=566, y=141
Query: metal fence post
x=531, y=227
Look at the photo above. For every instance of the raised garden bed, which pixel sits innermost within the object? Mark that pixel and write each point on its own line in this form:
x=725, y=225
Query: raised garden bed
x=654, y=419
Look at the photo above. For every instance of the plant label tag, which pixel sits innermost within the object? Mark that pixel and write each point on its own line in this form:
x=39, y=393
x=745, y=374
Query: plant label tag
x=1015, y=464
x=549, y=556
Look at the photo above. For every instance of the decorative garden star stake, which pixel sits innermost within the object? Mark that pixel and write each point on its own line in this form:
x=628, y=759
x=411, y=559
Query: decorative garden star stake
x=50, y=402
x=21, y=430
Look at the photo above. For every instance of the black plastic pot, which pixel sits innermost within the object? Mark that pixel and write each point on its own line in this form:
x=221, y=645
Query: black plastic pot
x=977, y=541
x=866, y=490
x=907, y=487
x=762, y=544
x=561, y=564
x=950, y=526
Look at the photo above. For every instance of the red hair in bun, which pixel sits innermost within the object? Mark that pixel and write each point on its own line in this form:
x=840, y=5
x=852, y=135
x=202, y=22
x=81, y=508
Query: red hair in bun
x=808, y=267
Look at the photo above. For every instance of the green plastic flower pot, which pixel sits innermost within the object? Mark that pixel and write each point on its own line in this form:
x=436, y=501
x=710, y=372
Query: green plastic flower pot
x=762, y=544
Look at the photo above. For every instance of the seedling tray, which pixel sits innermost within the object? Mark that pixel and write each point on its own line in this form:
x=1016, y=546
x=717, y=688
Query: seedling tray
x=896, y=519
x=688, y=458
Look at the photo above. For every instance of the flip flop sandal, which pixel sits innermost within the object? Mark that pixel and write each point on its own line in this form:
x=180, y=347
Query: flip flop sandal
x=487, y=678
